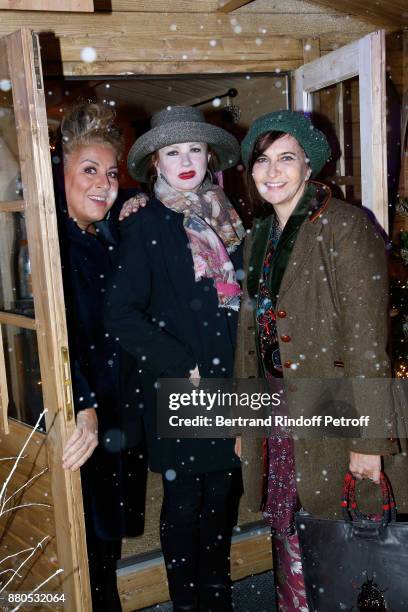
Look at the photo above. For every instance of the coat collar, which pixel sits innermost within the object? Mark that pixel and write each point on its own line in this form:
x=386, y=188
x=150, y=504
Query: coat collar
x=310, y=208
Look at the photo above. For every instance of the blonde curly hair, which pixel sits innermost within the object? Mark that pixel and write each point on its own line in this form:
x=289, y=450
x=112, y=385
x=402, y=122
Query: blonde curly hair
x=87, y=123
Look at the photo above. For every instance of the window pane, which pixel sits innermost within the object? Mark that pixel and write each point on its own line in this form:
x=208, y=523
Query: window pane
x=10, y=178
x=16, y=292
x=23, y=373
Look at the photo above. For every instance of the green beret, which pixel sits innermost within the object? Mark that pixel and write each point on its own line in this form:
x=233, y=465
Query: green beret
x=313, y=141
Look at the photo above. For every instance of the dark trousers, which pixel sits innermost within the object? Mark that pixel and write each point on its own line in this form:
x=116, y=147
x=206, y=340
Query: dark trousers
x=102, y=560
x=197, y=517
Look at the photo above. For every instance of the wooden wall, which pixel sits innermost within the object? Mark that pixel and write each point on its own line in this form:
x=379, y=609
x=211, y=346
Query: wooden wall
x=26, y=527
x=138, y=37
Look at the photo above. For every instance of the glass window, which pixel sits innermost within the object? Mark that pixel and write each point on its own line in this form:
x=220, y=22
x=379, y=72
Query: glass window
x=23, y=374
x=10, y=177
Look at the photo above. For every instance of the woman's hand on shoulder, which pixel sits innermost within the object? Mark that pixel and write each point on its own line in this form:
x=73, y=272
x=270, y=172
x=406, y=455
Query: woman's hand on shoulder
x=365, y=466
x=133, y=205
x=83, y=441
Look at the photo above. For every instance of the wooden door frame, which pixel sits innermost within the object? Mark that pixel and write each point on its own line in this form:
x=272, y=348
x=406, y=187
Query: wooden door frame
x=24, y=69
x=364, y=58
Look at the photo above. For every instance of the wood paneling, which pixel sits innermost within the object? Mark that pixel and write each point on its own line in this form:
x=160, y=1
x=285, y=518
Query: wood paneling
x=144, y=587
x=206, y=26
x=395, y=59
x=26, y=527
x=48, y=5
x=4, y=395
x=42, y=236
x=227, y=6
x=209, y=6
x=403, y=184
x=9, y=318
x=169, y=68
x=311, y=51
x=15, y=206
x=384, y=13
x=170, y=43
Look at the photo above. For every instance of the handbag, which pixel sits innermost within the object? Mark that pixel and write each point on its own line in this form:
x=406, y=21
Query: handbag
x=356, y=564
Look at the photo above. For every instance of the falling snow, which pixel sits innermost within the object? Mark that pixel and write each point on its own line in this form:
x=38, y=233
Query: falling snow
x=88, y=55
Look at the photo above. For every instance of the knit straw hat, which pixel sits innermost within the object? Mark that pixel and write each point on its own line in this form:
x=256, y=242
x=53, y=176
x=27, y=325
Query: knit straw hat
x=313, y=141
x=176, y=124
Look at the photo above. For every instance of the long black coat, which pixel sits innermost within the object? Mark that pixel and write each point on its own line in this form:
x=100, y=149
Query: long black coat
x=170, y=323
x=114, y=477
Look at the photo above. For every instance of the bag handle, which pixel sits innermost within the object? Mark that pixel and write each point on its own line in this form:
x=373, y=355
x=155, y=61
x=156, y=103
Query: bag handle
x=349, y=505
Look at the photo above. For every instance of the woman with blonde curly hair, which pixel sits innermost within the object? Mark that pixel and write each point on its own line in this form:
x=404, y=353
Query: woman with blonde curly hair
x=105, y=444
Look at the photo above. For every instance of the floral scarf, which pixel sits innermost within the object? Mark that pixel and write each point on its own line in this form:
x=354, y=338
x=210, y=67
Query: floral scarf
x=213, y=229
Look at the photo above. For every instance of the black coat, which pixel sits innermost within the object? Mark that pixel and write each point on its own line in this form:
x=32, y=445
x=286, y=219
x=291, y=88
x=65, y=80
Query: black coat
x=170, y=323
x=114, y=477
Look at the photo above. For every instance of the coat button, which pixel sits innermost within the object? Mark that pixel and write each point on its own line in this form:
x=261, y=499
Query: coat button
x=285, y=338
x=281, y=314
x=287, y=363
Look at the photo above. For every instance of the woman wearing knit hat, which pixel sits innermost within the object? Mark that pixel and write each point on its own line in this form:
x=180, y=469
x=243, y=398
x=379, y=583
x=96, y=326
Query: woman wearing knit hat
x=317, y=277
x=173, y=306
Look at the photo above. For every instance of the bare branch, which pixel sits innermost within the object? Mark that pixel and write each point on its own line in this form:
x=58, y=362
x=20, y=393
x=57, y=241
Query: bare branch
x=10, y=458
x=26, y=484
x=37, y=588
x=16, y=554
x=7, y=571
x=25, y=506
x=15, y=572
x=13, y=469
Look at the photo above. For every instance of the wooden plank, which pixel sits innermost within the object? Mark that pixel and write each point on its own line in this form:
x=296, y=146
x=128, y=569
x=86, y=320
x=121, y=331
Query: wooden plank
x=339, y=113
x=227, y=6
x=373, y=128
x=4, y=69
x=156, y=6
x=208, y=26
x=42, y=235
x=26, y=526
x=129, y=68
x=403, y=183
x=336, y=66
x=47, y=5
x=4, y=396
x=181, y=48
x=311, y=51
x=16, y=206
x=140, y=588
x=209, y=6
x=387, y=12
x=185, y=41
x=9, y=318
x=144, y=586
x=35, y=453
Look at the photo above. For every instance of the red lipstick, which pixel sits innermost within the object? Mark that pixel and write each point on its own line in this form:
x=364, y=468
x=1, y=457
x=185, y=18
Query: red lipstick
x=185, y=176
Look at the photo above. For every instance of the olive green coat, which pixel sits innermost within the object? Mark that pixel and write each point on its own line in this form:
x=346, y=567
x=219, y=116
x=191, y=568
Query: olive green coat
x=333, y=300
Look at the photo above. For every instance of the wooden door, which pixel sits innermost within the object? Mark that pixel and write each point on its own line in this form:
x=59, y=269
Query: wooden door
x=365, y=59
x=42, y=533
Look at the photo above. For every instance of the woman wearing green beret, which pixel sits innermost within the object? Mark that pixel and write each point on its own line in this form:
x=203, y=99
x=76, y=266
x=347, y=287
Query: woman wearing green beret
x=317, y=278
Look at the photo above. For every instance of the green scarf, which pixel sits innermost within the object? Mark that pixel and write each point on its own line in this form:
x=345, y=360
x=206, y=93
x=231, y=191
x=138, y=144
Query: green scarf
x=305, y=208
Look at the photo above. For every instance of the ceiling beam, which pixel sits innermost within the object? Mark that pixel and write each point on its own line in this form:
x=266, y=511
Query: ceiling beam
x=386, y=13
x=227, y=6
